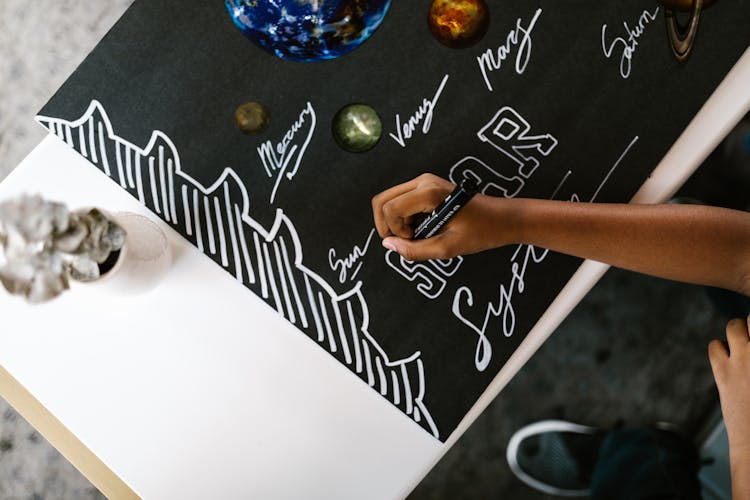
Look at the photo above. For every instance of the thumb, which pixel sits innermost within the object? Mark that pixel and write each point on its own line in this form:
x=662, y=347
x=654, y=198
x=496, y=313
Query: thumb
x=430, y=248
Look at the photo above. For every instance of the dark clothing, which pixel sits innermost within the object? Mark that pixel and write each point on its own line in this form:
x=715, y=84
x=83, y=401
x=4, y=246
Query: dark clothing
x=646, y=464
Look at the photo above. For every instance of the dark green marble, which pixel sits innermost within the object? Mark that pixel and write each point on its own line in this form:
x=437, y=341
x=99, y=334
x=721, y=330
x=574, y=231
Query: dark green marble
x=357, y=128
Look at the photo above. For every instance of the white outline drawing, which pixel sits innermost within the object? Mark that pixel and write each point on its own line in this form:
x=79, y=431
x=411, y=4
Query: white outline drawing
x=497, y=127
x=504, y=308
x=429, y=275
x=491, y=183
x=260, y=258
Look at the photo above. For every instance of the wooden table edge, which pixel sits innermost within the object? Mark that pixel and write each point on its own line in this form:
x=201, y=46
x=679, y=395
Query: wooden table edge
x=62, y=439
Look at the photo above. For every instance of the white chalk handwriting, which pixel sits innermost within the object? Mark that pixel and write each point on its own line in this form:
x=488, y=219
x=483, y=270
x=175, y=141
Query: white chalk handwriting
x=277, y=159
x=629, y=42
x=464, y=298
x=519, y=36
x=424, y=115
x=343, y=266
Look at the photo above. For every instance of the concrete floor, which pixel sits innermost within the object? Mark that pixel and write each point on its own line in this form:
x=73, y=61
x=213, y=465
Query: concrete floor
x=634, y=351
x=41, y=43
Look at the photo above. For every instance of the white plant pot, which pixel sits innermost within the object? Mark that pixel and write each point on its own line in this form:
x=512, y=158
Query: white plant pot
x=144, y=258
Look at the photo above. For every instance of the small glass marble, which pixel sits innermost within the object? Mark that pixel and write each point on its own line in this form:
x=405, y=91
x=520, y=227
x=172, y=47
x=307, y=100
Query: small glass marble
x=357, y=128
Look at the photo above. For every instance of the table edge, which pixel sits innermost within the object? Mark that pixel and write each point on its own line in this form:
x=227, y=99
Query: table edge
x=63, y=439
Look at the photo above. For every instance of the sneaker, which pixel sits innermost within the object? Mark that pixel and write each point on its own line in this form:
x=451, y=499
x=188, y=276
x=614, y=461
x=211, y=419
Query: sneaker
x=555, y=457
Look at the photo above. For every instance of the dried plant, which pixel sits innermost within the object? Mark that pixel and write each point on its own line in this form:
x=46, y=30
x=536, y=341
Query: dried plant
x=43, y=245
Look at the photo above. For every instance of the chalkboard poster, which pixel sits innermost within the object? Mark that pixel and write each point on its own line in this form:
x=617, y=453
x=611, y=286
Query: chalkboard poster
x=567, y=100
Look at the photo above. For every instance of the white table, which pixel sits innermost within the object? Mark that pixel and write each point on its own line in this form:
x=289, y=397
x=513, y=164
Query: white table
x=198, y=389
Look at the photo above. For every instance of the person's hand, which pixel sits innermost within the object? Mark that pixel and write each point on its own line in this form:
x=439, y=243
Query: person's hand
x=732, y=373
x=485, y=222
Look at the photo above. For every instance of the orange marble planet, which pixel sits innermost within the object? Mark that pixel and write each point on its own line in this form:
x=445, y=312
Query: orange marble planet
x=458, y=23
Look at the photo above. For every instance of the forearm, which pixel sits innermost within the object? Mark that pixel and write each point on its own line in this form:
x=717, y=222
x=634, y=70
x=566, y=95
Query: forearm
x=690, y=243
x=740, y=467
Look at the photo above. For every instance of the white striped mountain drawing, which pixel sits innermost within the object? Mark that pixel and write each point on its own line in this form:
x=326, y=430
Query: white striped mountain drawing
x=216, y=219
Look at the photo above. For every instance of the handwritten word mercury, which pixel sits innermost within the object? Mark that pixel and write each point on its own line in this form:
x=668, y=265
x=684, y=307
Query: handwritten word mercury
x=424, y=114
x=520, y=36
x=629, y=43
x=344, y=265
x=278, y=159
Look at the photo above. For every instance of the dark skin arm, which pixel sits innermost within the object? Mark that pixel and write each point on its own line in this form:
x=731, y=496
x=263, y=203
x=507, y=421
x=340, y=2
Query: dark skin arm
x=689, y=243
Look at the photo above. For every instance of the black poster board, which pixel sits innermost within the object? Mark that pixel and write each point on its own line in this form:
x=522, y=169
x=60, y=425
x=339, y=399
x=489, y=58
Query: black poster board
x=575, y=100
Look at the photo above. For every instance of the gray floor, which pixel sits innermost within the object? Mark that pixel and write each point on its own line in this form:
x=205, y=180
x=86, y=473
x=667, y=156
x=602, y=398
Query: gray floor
x=634, y=351
x=41, y=43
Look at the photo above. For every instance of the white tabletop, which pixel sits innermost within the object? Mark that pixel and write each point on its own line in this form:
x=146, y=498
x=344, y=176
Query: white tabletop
x=198, y=389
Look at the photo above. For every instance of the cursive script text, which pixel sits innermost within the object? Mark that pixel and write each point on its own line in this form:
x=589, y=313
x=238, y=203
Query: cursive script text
x=424, y=115
x=464, y=298
x=343, y=266
x=627, y=43
x=520, y=36
x=277, y=159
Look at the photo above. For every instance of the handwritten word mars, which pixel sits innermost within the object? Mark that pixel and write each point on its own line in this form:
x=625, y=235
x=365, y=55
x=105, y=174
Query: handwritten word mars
x=519, y=36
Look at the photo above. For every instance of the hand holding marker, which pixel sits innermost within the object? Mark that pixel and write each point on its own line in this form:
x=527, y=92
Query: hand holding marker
x=444, y=212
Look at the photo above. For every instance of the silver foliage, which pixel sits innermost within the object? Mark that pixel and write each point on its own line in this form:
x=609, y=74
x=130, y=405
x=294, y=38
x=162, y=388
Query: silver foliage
x=43, y=245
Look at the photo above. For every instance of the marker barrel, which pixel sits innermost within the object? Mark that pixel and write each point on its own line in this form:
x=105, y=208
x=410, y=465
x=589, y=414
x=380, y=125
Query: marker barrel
x=448, y=209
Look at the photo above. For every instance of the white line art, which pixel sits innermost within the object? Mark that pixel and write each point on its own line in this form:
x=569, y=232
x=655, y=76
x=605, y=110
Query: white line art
x=617, y=163
x=129, y=167
x=235, y=244
x=121, y=168
x=186, y=209
x=245, y=253
x=628, y=44
x=220, y=230
x=198, y=232
x=423, y=115
x=519, y=36
x=278, y=159
x=344, y=265
x=508, y=132
x=209, y=226
x=102, y=147
x=560, y=185
x=152, y=178
x=276, y=248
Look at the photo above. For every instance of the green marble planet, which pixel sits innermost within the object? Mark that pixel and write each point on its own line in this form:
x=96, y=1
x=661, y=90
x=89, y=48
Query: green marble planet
x=357, y=128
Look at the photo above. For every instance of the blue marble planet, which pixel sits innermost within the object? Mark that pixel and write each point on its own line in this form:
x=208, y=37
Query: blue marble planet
x=308, y=30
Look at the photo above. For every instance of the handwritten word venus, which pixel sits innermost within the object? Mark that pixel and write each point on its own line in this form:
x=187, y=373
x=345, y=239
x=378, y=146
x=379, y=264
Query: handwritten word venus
x=423, y=115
